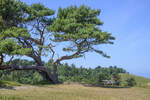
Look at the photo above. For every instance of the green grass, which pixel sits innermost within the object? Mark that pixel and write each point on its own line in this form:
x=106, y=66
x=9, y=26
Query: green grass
x=76, y=91
x=8, y=83
x=73, y=92
x=141, y=81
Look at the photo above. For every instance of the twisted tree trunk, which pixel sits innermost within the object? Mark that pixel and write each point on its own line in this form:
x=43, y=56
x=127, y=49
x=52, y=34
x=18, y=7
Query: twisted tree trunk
x=46, y=74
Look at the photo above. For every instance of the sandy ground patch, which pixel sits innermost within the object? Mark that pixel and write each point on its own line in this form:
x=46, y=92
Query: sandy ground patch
x=148, y=83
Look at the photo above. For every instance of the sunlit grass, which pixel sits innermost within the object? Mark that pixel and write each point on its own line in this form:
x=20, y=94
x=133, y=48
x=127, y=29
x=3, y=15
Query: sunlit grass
x=8, y=83
x=73, y=92
x=141, y=81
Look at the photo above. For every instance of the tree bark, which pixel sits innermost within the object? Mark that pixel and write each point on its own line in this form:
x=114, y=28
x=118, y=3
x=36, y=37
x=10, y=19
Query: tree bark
x=44, y=74
x=41, y=69
x=55, y=73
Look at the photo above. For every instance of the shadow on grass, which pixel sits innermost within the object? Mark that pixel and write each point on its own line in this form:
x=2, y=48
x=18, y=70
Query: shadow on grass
x=95, y=85
x=7, y=87
x=45, y=83
x=104, y=86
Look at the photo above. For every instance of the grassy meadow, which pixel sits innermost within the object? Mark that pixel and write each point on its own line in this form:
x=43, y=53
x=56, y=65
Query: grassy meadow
x=73, y=92
x=140, y=81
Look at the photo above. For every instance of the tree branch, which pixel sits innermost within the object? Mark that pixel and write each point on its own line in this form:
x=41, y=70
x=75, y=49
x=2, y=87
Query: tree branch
x=53, y=52
x=1, y=59
x=10, y=60
x=38, y=68
x=79, y=51
x=66, y=57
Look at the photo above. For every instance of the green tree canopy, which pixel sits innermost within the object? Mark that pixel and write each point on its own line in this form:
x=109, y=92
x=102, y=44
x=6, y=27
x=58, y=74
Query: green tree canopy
x=30, y=30
x=81, y=27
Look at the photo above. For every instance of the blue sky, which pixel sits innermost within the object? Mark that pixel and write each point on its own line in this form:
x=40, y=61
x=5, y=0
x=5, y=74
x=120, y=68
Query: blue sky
x=128, y=21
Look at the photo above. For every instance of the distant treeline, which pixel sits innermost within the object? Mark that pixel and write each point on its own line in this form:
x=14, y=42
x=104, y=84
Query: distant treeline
x=67, y=73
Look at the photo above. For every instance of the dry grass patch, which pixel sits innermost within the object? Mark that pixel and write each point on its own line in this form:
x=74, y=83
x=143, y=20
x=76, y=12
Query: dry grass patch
x=73, y=92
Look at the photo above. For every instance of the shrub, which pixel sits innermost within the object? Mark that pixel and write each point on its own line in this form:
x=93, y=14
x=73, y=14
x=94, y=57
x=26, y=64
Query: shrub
x=131, y=82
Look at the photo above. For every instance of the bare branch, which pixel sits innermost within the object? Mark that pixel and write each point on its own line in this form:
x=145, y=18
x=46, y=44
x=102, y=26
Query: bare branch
x=53, y=52
x=10, y=60
x=79, y=51
x=1, y=59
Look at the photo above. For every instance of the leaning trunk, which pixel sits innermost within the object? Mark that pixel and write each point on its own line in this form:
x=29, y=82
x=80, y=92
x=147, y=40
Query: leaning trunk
x=43, y=73
x=42, y=69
